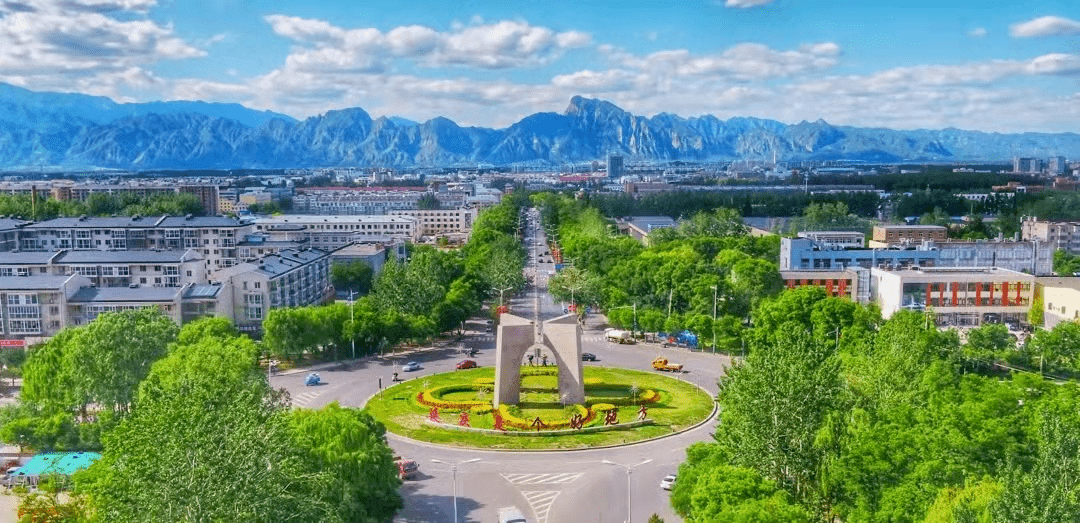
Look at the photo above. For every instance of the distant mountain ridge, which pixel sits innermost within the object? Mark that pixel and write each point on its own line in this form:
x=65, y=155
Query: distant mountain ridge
x=79, y=131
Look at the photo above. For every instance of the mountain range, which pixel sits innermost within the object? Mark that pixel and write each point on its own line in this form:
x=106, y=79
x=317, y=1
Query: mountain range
x=61, y=130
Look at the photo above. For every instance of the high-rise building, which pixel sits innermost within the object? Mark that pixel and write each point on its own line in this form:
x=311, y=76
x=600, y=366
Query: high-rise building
x=615, y=168
x=1056, y=165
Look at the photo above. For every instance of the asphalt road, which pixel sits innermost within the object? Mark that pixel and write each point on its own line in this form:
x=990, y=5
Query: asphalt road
x=548, y=487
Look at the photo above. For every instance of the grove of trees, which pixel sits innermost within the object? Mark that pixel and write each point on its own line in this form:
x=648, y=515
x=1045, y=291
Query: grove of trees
x=190, y=430
x=836, y=414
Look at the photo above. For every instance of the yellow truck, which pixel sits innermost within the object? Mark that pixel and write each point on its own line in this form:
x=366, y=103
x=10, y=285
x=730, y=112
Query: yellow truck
x=662, y=363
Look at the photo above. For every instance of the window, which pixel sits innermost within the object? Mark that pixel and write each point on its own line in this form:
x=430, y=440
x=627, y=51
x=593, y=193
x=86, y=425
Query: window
x=123, y=271
x=253, y=304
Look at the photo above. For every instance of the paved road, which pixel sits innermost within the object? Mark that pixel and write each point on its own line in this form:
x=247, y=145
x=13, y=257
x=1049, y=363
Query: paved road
x=549, y=487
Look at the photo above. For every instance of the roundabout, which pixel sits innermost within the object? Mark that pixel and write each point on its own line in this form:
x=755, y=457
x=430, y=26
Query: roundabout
x=621, y=406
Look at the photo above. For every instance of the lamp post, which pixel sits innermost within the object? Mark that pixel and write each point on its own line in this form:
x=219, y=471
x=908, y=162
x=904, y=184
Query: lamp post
x=629, y=499
x=501, y=291
x=352, y=322
x=453, y=470
x=713, y=318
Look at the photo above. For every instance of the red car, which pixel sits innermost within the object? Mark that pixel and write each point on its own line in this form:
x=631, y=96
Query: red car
x=466, y=364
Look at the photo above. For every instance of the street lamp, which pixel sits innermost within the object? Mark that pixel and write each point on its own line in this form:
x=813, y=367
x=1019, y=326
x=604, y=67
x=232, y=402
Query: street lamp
x=629, y=500
x=713, y=318
x=453, y=470
x=352, y=322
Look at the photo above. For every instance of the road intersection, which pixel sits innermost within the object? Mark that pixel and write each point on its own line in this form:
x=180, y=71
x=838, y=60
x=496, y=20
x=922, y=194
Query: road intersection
x=587, y=485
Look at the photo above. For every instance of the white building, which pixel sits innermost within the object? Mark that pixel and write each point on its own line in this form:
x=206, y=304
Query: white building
x=957, y=296
x=290, y=278
x=332, y=232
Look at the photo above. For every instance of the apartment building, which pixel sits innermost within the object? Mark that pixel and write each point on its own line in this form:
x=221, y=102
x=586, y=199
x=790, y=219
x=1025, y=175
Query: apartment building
x=1062, y=235
x=961, y=296
x=435, y=222
x=214, y=237
x=333, y=232
x=33, y=308
x=290, y=278
x=172, y=268
x=9, y=233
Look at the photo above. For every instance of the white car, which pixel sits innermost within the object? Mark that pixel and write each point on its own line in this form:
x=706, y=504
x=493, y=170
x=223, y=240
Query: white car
x=411, y=366
x=668, y=482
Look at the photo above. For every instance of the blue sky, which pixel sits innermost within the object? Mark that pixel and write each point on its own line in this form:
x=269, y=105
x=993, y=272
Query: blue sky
x=985, y=65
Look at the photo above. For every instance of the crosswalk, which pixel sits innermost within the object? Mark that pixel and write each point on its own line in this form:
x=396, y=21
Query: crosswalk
x=305, y=398
x=541, y=501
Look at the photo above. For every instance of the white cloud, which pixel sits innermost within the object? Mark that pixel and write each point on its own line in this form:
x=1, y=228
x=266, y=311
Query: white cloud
x=500, y=45
x=743, y=61
x=743, y=4
x=1045, y=26
x=978, y=32
x=96, y=46
x=1055, y=64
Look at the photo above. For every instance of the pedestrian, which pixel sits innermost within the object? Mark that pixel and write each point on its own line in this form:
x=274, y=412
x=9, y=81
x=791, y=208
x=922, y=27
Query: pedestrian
x=545, y=360
x=530, y=360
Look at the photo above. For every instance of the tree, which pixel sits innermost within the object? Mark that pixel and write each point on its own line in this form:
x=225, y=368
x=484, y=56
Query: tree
x=361, y=482
x=988, y=342
x=774, y=406
x=1047, y=491
x=100, y=363
x=355, y=276
x=711, y=489
x=207, y=441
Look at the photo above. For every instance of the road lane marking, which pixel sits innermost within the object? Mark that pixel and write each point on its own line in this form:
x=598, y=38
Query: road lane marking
x=542, y=479
x=305, y=398
x=541, y=501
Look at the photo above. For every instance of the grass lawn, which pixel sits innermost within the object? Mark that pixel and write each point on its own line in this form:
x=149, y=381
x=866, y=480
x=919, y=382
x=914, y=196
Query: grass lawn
x=678, y=406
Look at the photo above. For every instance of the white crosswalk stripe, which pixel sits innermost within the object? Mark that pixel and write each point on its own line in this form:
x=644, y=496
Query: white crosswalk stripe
x=305, y=398
x=541, y=502
x=542, y=479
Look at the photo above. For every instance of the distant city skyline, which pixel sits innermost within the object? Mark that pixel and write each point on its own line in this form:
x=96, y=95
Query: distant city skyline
x=991, y=66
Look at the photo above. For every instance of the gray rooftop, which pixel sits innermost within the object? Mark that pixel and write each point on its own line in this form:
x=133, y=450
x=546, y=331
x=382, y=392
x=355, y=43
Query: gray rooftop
x=125, y=294
x=288, y=259
x=648, y=223
x=201, y=291
x=122, y=222
x=164, y=256
x=119, y=257
x=27, y=257
x=6, y=224
x=32, y=283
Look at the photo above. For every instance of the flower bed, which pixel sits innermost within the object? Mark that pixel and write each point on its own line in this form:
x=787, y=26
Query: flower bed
x=509, y=419
x=433, y=398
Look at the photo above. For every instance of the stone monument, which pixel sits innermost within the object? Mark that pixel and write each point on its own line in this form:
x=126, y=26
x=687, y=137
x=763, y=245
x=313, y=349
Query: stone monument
x=516, y=335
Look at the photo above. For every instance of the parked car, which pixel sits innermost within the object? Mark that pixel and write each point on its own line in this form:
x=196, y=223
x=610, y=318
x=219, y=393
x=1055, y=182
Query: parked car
x=668, y=482
x=466, y=364
x=410, y=366
x=588, y=356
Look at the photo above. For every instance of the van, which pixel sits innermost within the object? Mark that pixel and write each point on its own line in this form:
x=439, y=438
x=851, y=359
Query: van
x=511, y=515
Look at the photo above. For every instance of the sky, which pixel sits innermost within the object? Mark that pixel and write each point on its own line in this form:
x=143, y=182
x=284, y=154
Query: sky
x=990, y=65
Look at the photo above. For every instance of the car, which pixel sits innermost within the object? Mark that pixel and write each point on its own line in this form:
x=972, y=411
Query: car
x=407, y=469
x=466, y=364
x=588, y=356
x=511, y=515
x=668, y=482
x=410, y=366
x=487, y=329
